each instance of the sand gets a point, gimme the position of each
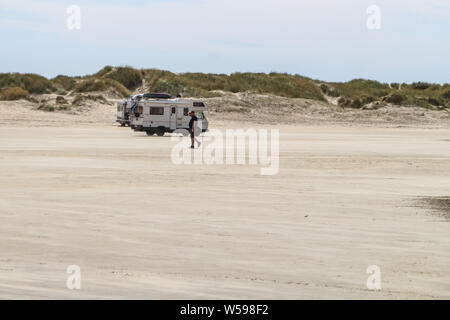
(88, 193)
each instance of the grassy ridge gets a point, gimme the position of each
(92, 85)
(32, 83)
(359, 92)
(200, 84)
(124, 80)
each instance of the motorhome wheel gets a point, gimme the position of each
(160, 132)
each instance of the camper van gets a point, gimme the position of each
(124, 109)
(123, 113)
(161, 115)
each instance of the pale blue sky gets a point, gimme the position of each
(321, 39)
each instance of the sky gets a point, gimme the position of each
(323, 39)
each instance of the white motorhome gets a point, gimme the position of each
(158, 116)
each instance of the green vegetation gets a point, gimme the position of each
(395, 98)
(359, 87)
(61, 100)
(446, 95)
(32, 83)
(123, 80)
(103, 72)
(128, 77)
(93, 85)
(425, 95)
(14, 93)
(395, 86)
(329, 90)
(204, 85)
(63, 82)
(90, 86)
(420, 85)
(117, 88)
(360, 92)
(60, 105)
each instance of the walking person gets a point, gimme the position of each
(192, 129)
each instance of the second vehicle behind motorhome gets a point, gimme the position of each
(123, 113)
(124, 109)
(161, 115)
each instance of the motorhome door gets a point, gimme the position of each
(173, 118)
(182, 114)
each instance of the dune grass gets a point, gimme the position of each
(14, 93)
(90, 86)
(426, 95)
(360, 87)
(199, 84)
(32, 83)
(93, 85)
(64, 82)
(127, 76)
(360, 91)
(124, 80)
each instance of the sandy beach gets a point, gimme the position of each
(111, 201)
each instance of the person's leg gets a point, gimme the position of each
(192, 139)
(198, 142)
(196, 133)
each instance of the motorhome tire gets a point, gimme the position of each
(150, 133)
(160, 132)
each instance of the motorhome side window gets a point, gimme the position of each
(174, 110)
(157, 111)
(186, 111)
